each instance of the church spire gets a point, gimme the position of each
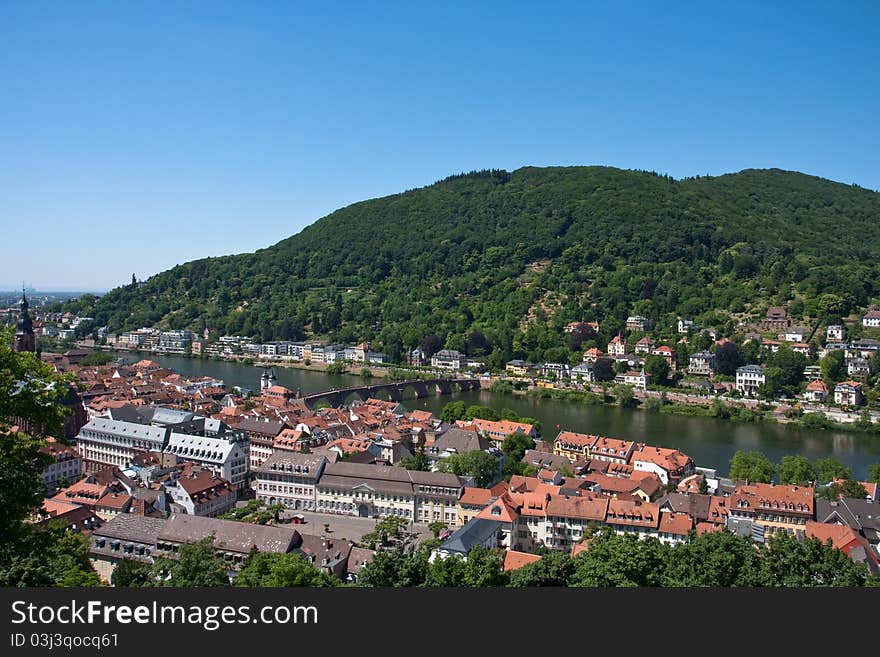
(24, 334)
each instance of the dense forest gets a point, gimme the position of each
(496, 263)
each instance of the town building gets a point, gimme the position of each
(638, 323)
(379, 491)
(686, 326)
(448, 359)
(617, 347)
(749, 378)
(198, 491)
(871, 319)
(517, 367)
(702, 363)
(848, 393)
(670, 465)
(773, 508)
(65, 466)
(289, 478)
(816, 392)
(835, 333)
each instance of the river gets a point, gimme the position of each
(710, 442)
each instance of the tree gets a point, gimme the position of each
(477, 344)
(791, 365)
(481, 412)
(727, 358)
(615, 560)
(849, 488)
(514, 447)
(787, 561)
(751, 466)
(833, 366)
(436, 527)
(830, 468)
(431, 344)
(388, 531)
(197, 564)
(264, 569)
(480, 465)
(874, 473)
(453, 411)
(131, 573)
(657, 368)
(419, 461)
(554, 568)
(366, 373)
(395, 568)
(720, 559)
(603, 369)
(624, 395)
(796, 470)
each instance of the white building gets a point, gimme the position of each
(749, 378)
(66, 464)
(289, 478)
(871, 318)
(835, 333)
(225, 455)
(448, 359)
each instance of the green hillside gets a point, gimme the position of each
(517, 255)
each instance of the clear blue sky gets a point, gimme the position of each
(135, 136)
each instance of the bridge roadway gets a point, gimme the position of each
(394, 390)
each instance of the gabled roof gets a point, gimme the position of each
(514, 560)
(477, 531)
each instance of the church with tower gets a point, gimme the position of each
(24, 339)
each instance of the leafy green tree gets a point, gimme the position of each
(197, 564)
(833, 366)
(481, 412)
(388, 531)
(849, 488)
(395, 568)
(515, 446)
(418, 461)
(720, 559)
(791, 365)
(624, 395)
(657, 368)
(789, 562)
(453, 411)
(751, 466)
(263, 569)
(131, 573)
(830, 468)
(796, 470)
(554, 568)
(436, 527)
(874, 473)
(615, 560)
(480, 465)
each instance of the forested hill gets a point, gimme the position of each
(517, 255)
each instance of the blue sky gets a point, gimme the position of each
(135, 136)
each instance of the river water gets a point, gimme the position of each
(710, 442)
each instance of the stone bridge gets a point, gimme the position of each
(394, 391)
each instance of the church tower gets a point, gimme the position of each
(24, 334)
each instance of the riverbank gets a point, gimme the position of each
(750, 411)
(681, 404)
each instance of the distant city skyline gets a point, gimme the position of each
(137, 137)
